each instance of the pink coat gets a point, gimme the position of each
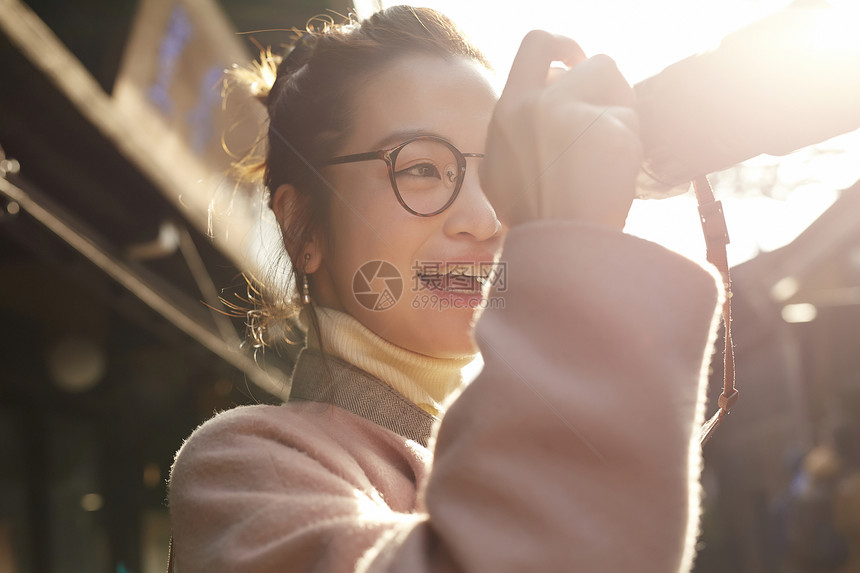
(574, 450)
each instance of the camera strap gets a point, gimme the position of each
(716, 238)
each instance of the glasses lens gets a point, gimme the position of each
(426, 174)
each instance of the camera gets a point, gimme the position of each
(780, 84)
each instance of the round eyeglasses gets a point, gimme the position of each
(426, 172)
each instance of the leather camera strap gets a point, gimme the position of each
(716, 238)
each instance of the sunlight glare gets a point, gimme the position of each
(644, 38)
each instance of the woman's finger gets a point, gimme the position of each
(537, 51)
(597, 81)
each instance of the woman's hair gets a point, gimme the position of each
(308, 95)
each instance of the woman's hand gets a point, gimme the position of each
(562, 144)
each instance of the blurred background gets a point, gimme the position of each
(121, 234)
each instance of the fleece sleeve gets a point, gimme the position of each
(574, 450)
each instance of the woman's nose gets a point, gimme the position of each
(471, 213)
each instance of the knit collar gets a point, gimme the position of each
(425, 380)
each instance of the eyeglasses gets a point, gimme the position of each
(426, 172)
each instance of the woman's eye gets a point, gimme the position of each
(422, 170)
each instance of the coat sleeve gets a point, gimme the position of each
(572, 451)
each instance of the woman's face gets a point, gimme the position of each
(431, 314)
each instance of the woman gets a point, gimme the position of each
(573, 450)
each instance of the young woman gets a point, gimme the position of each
(390, 160)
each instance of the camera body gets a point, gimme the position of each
(780, 84)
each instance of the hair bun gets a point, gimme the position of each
(256, 79)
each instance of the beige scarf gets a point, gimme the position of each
(425, 380)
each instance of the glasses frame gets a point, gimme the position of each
(389, 156)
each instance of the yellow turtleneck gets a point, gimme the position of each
(425, 380)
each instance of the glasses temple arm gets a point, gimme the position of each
(356, 157)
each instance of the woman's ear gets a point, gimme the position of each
(284, 204)
(283, 199)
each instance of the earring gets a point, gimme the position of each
(306, 293)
